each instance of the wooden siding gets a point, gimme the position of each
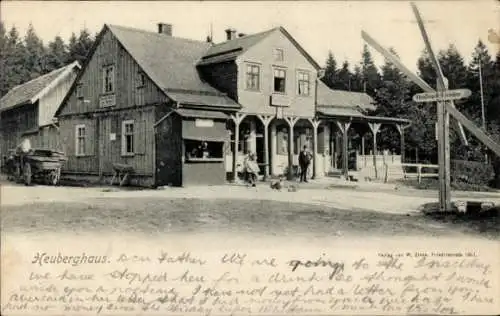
(46, 137)
(262, 54)
(107, 150)
(169, 151)
(223, 77)
(50, 102)
(14, 122)
(127, 94)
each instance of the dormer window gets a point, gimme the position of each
(279, 80)
(278, 54)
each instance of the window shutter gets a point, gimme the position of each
(140, 137)
(90, 138)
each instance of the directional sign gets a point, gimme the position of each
(444, 96)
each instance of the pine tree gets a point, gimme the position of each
(33, 55)
(79, 47)
(369, 72)
(330, 71)
(13, 73)
(344, 77)
(56, 54)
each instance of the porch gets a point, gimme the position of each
(337, 143)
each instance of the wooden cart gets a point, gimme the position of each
(42, 165)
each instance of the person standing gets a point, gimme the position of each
(304, 161)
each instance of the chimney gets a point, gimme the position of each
(164, 28)
(241, 35)
(230, 34)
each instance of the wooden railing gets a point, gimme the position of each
(418, 173)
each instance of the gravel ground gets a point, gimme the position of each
(159, 216)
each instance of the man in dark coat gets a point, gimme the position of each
(304, 161)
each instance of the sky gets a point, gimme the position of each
(319, 26)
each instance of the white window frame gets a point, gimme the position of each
(299, 80)
(112, 79)
(124, 137)
(247, 73)
(284, 79)
(79, 153)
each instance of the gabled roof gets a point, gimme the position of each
(340, 98)
(31, 91)
(170, 62)
(230, 50)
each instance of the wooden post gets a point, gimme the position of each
(374, 127)
(291, 123)
(237, 118)
(443, 152)
(344, 129)
(265, 121)
(315, 123)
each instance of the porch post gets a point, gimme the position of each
(291, 123)
(401, 130)
(374, 127)
(344, 128)
(265, 121)
(253, 137)
(363, 149)
(237, 118)
(315, 123)
(273, 149)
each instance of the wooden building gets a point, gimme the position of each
(140, 102)
(27, 110)
(177, 111)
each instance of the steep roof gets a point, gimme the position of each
(340, 98)
(231, 49)
(171, 63)
(29, 92)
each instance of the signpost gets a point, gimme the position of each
(445, 96)
(445, 107)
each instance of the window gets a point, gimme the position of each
(80, 139)
(278, 54)
(128, 137)
(279, 80)
(196, 149)
(253, 80)
(141, 80)
(108, 79)
(303, 83)
(79, 91)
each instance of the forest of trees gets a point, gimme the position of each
(393, 93)
(23, 58)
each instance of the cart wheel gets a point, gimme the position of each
(27, 174)
(53, 179)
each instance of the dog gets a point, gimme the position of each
(277, 184)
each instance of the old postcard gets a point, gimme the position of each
(250, 158)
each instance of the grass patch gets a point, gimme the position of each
(433, 184)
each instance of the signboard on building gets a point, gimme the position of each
(107, 100)
(203, 123)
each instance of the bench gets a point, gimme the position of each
(121, 172)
